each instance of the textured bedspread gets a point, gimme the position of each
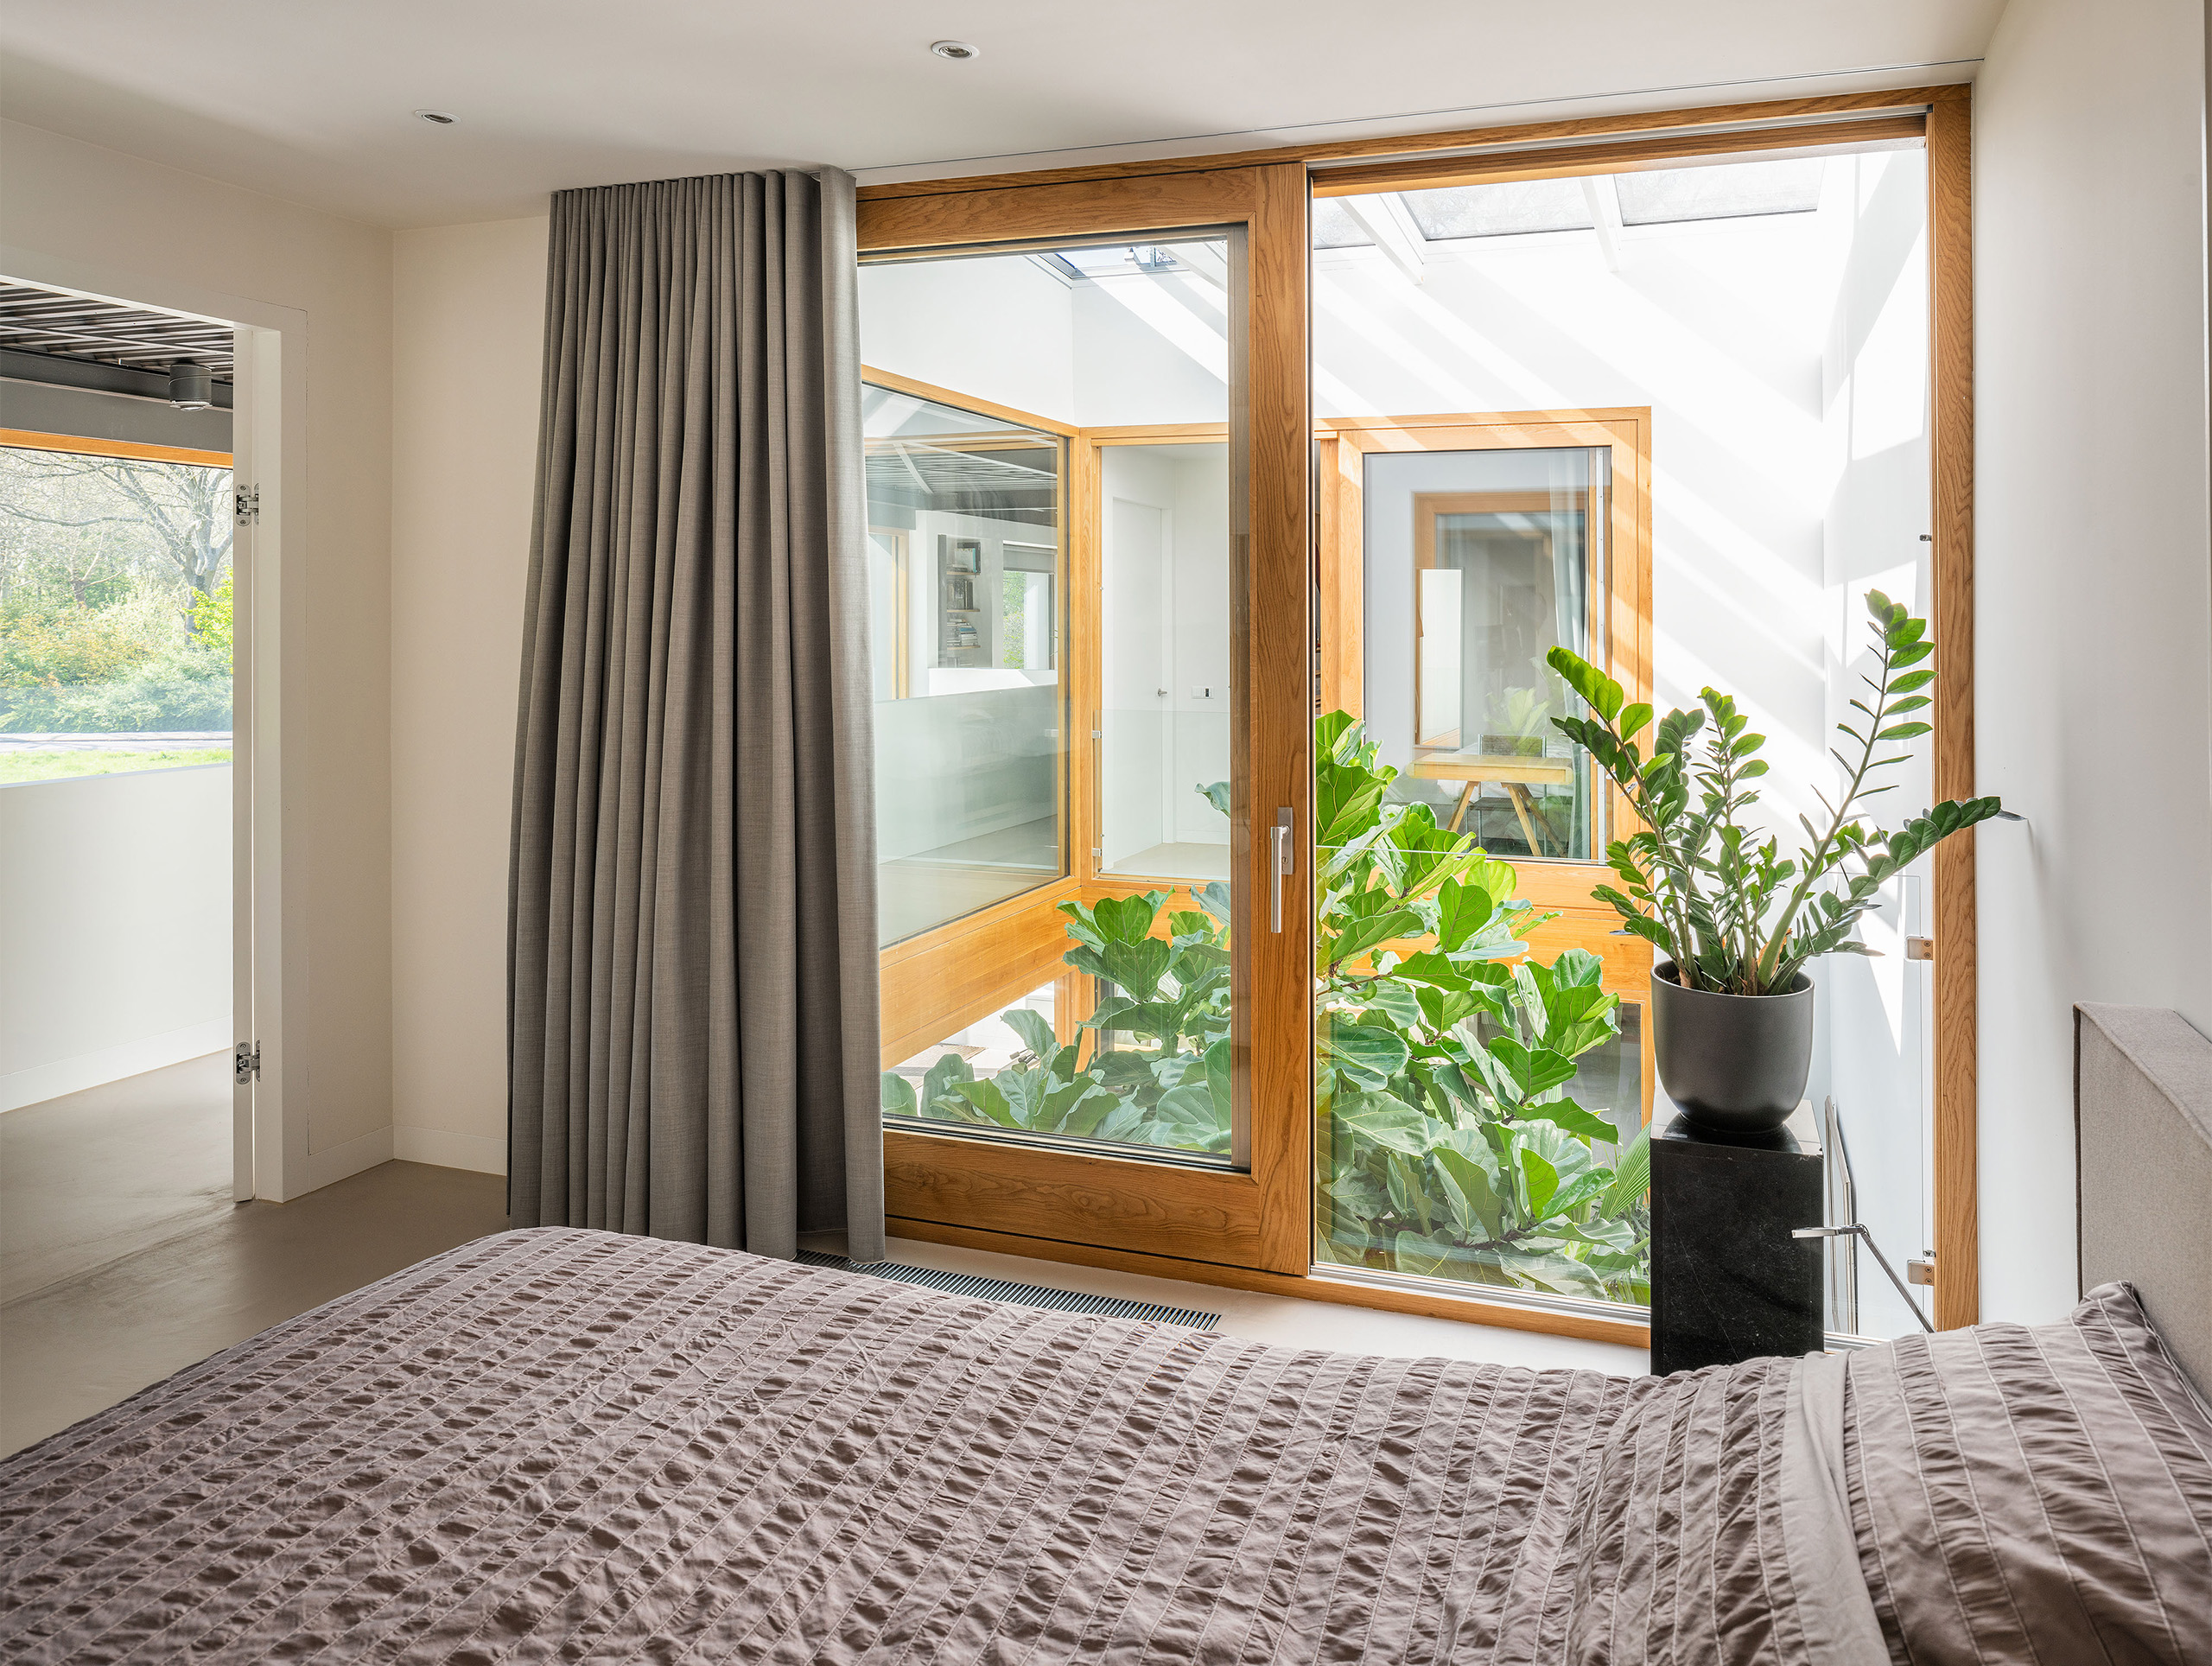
(573, 1444)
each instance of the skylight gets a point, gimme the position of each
(1123, 259)
(1501, 210)
(1734, 190)
(1730, 191)
(1334, 228)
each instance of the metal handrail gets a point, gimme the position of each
(1859, 1229)
(1842, 1201)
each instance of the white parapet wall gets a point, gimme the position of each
(114, 927)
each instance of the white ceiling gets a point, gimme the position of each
(309, 99)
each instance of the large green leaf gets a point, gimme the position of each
(989, 1099)
(938, 1079)
(1369, 1053)
(1464, 909)
(1034, 1029)
(1542, 1181)
(1137, 967)
(898, 1094)
(1631, 1177)
(1219, 1081)
(1442, 1009)
(1186, 1115)
(1399, 1003)
(1382, 1119)
(1128, 919)
(1471, 1192)
(1356, 933)
(1532, 1070)
(1565, 1113)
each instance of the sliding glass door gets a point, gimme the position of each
(1087, 496)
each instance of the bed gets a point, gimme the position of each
(559, 1444)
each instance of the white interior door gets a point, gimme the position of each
(1136, 755)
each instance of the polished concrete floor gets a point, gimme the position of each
(98, 1174)
(124, 1259)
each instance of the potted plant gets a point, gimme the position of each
(1732, 1006)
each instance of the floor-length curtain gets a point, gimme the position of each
(692, 1016)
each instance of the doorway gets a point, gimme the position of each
(120, 622)
(1091, 1036)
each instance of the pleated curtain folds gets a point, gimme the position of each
(693, 1020)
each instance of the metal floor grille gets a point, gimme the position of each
(1027, 1295)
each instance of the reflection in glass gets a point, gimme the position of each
(1479, 562)
(964, 522)
(1164, 641)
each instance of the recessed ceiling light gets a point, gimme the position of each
(437, 118)
(956, 50)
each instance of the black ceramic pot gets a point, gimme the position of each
(1736, 1064)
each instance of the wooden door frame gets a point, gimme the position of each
(1258, 1218)
(1940, 114)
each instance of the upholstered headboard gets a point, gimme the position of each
(2143, 1145)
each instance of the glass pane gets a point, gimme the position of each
(1476, 1120)
(1501, 210)
(993, 665)
(1725, 191)
(1770, 316)
(965, 521)
(115, 614)
(1019, 1074)
(1477, 564)
(1163, 748)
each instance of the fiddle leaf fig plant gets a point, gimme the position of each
(1736, 915)
(1445, 1059)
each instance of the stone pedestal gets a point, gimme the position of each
(1728, 1283)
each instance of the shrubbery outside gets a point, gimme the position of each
(114, 612)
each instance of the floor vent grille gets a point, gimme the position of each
(1027, 1295)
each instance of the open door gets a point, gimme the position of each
(1088, 479)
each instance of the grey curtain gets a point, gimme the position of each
(692, 1017)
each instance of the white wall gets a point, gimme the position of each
(999, 328)
(114, 927)
(152, 227)
(2093, 619)
(467, 332)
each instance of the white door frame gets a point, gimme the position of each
(269, 449)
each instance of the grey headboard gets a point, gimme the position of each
(2143, 1146)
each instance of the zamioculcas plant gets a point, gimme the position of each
(1735, 915)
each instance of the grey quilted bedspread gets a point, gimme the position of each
(570, 1444)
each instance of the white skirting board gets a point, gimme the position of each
(442, 1148)
(40, 1082)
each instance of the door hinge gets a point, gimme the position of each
(1920, 948)
(245, 1063)
(1920, 1270)
(249, 505)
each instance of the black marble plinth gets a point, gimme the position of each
(1728, 1283)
